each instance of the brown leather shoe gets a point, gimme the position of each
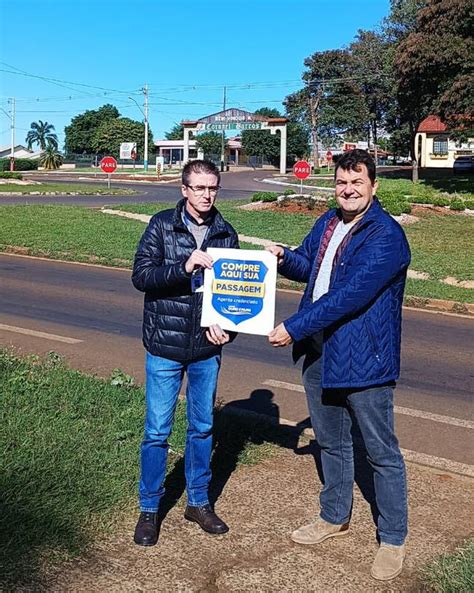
(146, 530)
(206, 518)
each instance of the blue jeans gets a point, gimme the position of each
(163, 383)
(332, 413)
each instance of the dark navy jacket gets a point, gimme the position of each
(172, 312)
(361, 314)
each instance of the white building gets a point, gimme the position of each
(435, 148)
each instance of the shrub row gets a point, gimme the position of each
(20, 165)
(10, 175)
(265, 196)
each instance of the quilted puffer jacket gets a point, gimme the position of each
(172, 312)
(360, 316)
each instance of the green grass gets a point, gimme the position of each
(84, 189)
(424, 191)
(451, 573)
(70, 233)
(441, 245)
(69, 463)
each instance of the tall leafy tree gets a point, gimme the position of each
(434, 63)
(331, 104)
(210, 143)
(262, 143)
(111, 133)
(82, 129)
(42, 134)
(176, 133)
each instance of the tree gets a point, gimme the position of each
(262, 143)
(110, 134)
(210, 143)
(51, 158)
(402, 19)
(82, 129)
(434, 64)
(331, 104)
(176, 132)
(372, 59)
(42, 134)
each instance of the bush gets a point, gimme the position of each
(441, 201)
(395, 204)
(265, 196)
(289, 192)
(20, 165)
(331, 203)
(10, 175)
(316, 170)
(469, 204)
(457, 204)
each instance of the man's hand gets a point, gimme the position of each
(276, 250)
(279, 336)
(198, 259)
(217, 336)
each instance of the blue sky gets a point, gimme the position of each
(185, 50)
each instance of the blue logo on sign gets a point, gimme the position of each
(238, 288)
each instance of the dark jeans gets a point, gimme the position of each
(332, 413)
(163, 383)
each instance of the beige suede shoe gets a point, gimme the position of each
(388, 562)
(317, 532)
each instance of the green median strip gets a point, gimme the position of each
(441, 244)
(451, 573)
(82, 189)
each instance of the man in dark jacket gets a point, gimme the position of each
(348, 326)
(168, 268)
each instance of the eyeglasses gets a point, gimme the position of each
(200, 190)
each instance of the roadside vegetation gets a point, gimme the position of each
(73, 189)
(68, 470)
(439, 243)
(451, 573)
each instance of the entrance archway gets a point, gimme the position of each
(238, 120)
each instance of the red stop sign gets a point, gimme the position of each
(108, 164)
(329, 155)
(301, 169)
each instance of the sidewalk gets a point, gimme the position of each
(262, 505)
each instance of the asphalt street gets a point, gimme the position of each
(233, 186)
(92, 315)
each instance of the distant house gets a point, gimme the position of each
(20, 152)
(435, 148)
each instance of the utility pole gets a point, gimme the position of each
(12, 151)
(314, 102)
(145, 106)
(223, 135)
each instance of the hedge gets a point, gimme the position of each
(20, 165)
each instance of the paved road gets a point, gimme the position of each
(234, 185)
(99, 308)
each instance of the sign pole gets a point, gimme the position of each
(301, 187)
(108, 180)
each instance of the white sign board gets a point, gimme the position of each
(239, 291)
(160, 164)
(127, 149)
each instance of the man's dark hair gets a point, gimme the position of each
(199, 166)
(353, 159)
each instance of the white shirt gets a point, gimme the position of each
(324, 273)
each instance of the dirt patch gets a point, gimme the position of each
(262, 505)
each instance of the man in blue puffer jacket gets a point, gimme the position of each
(348, 326)
(168, 268)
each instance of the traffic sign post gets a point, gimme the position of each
(301, 170)
(108, 165)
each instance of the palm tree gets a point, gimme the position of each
(42, 133)
(51, 158)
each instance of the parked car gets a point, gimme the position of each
(464, 164)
